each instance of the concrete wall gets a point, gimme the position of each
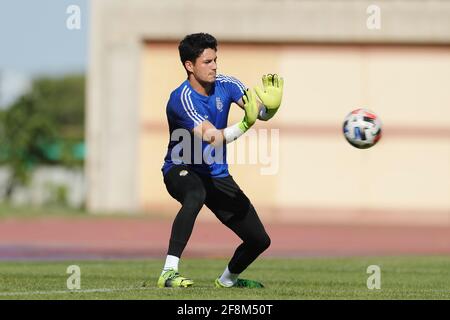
(403, 179)
(49, 186)
(331, 61)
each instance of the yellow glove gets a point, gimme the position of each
(251, 110)
(272, 92)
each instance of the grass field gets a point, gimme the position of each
(309, 278)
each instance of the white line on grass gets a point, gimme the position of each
(106, 290)
(22, 293)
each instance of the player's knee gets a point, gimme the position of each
(195, 198)
(261, 243)
(265, 242)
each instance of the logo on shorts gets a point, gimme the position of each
(219, 104)
(183, 173)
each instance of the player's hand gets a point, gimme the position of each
(272, 92)
(251, 110)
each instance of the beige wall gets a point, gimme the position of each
(408, 171)
(404, 179)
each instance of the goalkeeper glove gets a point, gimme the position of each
(251, 110)
(271, 94)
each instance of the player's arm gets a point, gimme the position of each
(209, 133)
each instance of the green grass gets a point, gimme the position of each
(29, 211)
(312, 278)
(26, 212)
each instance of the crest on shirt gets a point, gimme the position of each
(219, 104)
(183, 173)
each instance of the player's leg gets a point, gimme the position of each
(234, 209)
(187, 188)
(255, 241)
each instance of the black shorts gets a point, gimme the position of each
(221, 195)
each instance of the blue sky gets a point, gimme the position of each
(34, 40)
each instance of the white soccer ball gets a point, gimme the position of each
(362, 128)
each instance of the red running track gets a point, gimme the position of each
(109, 237)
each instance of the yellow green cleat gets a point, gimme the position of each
(172, 279)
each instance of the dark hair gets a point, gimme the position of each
(193, 45)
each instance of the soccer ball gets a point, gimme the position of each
(362, 128)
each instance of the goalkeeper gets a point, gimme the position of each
(200, 106)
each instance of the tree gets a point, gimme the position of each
(44, 126)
